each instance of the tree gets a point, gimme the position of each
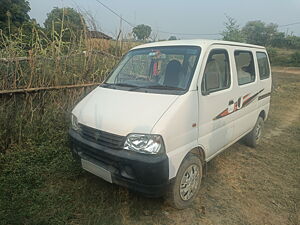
(172, 38)
(295, 59)
(142, 32)
(232, 31)
(278, 40)
(257, 32)
(13, 14)
(292, 41)
(66, 23)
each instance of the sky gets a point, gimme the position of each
(177, 17)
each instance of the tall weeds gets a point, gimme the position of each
(50, 61)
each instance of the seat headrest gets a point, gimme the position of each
(172, 73)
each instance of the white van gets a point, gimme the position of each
(167, 109)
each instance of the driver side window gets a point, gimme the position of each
(216, 75)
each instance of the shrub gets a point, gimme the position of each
(295, 59)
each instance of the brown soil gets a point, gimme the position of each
(246, 185)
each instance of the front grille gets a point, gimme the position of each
(101, 137)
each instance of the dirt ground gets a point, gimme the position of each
(251, 186)
(245, 186)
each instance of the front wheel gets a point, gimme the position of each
(184, 189)
(253, 138)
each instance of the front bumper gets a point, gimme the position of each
(148, 174)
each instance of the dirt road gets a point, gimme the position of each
(41, 183)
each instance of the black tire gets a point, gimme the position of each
(174, 197)
(253, 138)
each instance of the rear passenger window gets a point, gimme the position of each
(263, 65)
(217, 72)
(244, 66)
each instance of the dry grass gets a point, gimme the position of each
(290, 70)
(110, 45)
(49, 63)
(41, 184)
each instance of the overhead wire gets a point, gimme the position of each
(174, 33)
(291, 24)
(159, 31)
(112, 11)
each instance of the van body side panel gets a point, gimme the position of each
(266, 84)
(231, 122)
(246, 96)
(216, 124)
(178, 127)
(215, 133)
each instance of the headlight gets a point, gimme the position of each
(74, 123)
(144, 143)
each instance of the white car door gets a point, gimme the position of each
(216, 101)
(248, 90)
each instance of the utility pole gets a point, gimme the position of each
(119, 37)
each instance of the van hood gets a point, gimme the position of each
(122, 112)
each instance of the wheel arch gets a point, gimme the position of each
(262, 114)
(176, 160)
(198, 151)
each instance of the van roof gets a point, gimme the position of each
(197, 42)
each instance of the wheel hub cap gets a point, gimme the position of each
(258, 132)
(189, 182)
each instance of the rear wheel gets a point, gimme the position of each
(186, 185)
(253, 138)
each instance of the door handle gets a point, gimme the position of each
(231, 102)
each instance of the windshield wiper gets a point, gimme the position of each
(160, 87)
(125, 85)
(107, 85)
(134, 87)
(119, 84)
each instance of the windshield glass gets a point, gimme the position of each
(157, 69)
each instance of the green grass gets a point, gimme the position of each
(41, 183)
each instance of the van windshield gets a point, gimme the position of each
(157, 69)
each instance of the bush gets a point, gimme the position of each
(295, 59)
(277, 58)
(281, 57)
(272, 52)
